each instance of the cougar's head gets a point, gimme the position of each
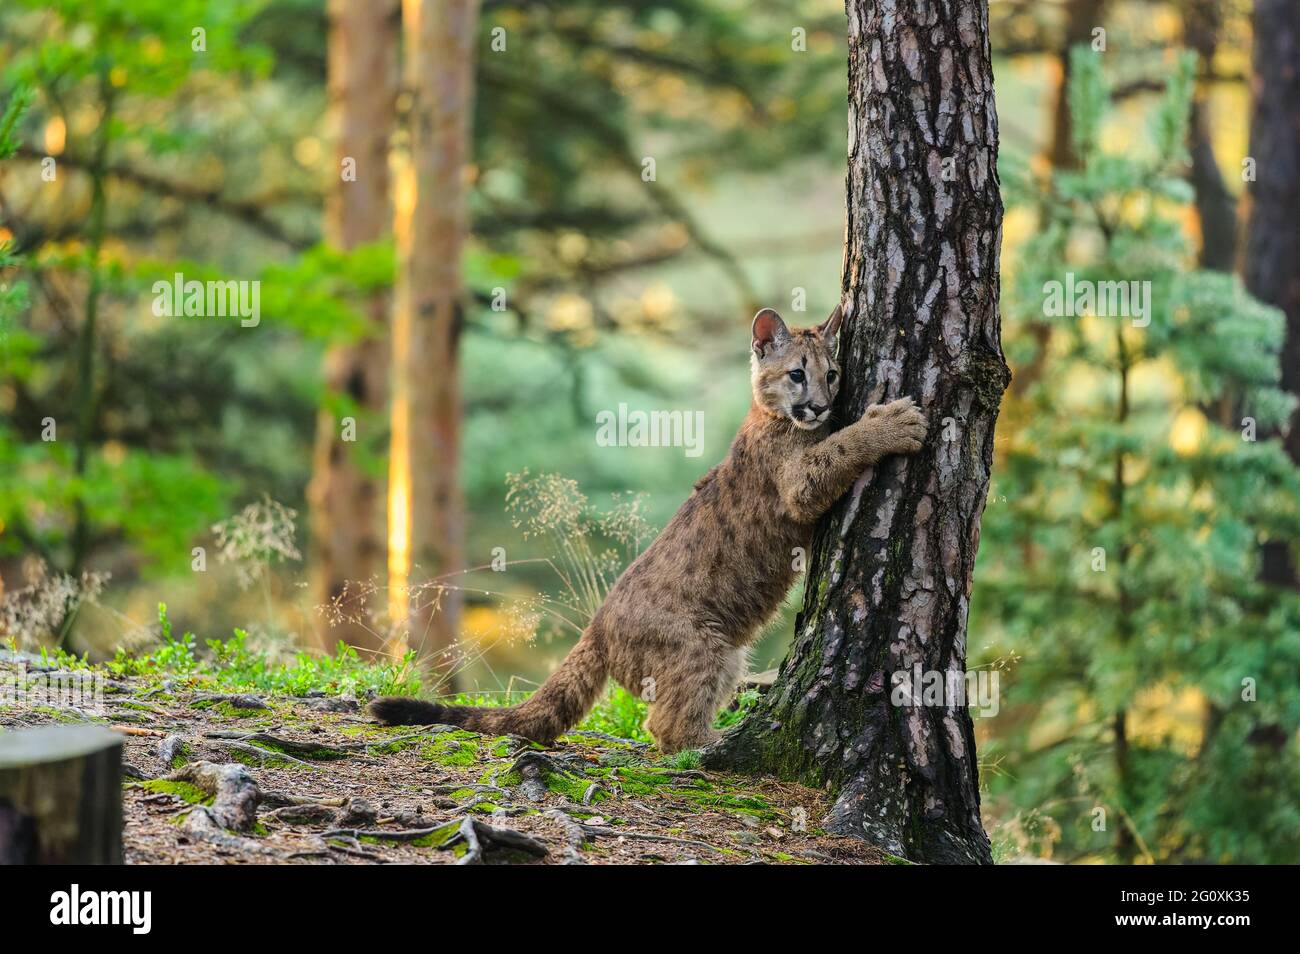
(795, 372)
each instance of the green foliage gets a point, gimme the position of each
(1120, 555)
(234, 665)
(619, 714)
(13, 295)
(20, 100)
(190, 417)
(745, 700)
(684, 760)
(238, 667)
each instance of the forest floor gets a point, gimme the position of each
(273, 778)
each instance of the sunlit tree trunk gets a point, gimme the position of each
(889, 585)
(425, 519)
(1271, 257)
(346, 502)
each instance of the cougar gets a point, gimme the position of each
(675, 626)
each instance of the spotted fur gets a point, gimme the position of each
(675, 627)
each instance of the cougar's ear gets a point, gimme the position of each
(830, 328)
(769, 333)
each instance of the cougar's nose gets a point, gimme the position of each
(817, 409)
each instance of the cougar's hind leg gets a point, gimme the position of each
(686, 697)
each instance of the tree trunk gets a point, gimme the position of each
(889, 585)
(1271, 262)
(346, 514)
(61, 796)
(1215, 205)
(1081, 18)
(425, 521)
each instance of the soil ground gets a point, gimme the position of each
(329, 786)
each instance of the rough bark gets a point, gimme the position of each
(346, 503)
(425, 511)
(61, 796)
(889, 585)
(1271, 257)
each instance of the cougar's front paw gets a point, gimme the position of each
(900, 425)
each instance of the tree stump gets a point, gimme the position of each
(61, 796)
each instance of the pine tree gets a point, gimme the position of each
(13, 295)
(1154, 684)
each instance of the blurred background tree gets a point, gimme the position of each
(639, 175)
(1120, 556)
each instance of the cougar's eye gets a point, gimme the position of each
(797, 376)
(830, 377)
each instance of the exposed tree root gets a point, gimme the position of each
(383, 834)
(236, 796)
(606, 831)
(574, 836)
(535, 769)
(169, 748)
(482, 838)
(201, 823)
(263, 755)
(235, 701)
(282, 746)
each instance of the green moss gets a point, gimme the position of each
(503, 747)
(437, 838)
(182, 790)
(390, 748)
(321, 754)
(713, 793)
(452, 748)
(574, 787)
(137, 706)
(60, 715)
(181, 758)
(269, 760)
(440, 835)
(234, 712)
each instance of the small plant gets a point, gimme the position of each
(684, 760)
(591, 547)
(257, 536)
(745, 700)
(43, 610)
(619, 714)
(235, 665)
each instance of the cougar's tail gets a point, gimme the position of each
(558, 705)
